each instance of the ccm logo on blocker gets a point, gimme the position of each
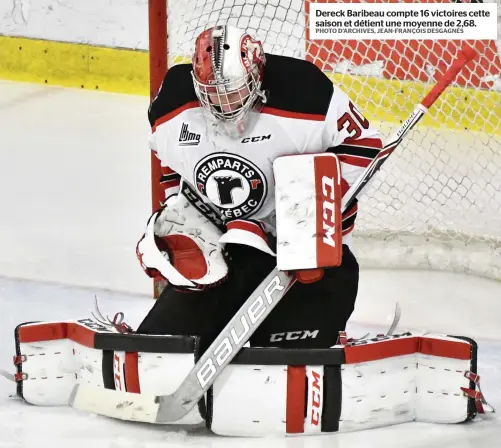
(329, 210)
(254, 311)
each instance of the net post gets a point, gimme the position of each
(157, 33)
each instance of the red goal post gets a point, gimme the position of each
(437, 202)
(157, 30)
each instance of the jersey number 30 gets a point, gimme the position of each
(353, 122)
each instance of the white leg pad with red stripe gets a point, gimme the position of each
(50, 369)
(308, 211)
(381, 383)
(356, 386)
(52, 357)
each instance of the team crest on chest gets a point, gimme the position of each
(234, 184)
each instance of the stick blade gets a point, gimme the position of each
(171, 409)
(107, 402)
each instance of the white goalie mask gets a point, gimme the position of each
(227, 74)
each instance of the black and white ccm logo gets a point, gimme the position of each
(187, 138)
(93, 325)
(294, 335)
(258, 138)
(234, 184)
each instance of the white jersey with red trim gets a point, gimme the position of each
(304, 113)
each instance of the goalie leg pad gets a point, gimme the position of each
(377, 383)
(365, 384)
(52, 357)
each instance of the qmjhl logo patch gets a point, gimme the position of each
(187, 138)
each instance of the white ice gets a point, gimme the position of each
(74, 196)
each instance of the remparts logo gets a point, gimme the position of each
(235, 185)
(187, 138)
(294, 335)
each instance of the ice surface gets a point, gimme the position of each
(74, 196)
(74, 185)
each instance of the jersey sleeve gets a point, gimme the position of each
(174, 96)
(170, 180)
(350, 136)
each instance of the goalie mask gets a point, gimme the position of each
(227, 74)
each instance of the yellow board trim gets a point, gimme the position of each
(74, 65)
(458, 108)
(126, 71)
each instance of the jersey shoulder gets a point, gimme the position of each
(176, 91)
(296, 85)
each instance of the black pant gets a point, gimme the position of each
(310, 315)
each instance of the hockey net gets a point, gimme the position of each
(436, 203)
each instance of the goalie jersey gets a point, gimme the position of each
(304, 113)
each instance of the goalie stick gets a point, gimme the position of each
(466, 55)
(170, 408)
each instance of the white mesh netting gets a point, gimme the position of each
(436, 203)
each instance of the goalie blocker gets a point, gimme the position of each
(359, 385)
(308, 211)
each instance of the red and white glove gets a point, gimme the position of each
(181, 246)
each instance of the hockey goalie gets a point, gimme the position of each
(259, 154)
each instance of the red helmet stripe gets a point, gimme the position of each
(202, 59)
